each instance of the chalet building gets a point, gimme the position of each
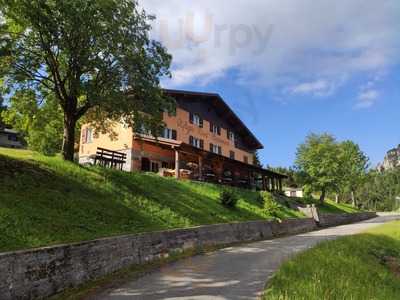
(203, 140)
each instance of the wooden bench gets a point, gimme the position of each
(110, 159)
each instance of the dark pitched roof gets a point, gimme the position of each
(221, 106)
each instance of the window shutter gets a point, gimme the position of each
(219, 150)
(174, 135)
(201, 123)
(219, 130)
(227, 134)
(201, 144)
(191, 140)
(211, 147)
(191, 118)
(211, 127)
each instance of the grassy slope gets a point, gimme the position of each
(348, 268)
(45, 201)
(333, 207)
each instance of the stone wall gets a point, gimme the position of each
(327, 220)
(44, 272)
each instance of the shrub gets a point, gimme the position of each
(270, 205)
(228, 198)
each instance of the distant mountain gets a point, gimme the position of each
(391, 160)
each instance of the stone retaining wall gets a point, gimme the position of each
(47, 271)
(327, 220)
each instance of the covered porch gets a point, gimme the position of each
(197, 164)
(188, 162)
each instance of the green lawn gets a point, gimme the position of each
(365, 266)
(332, 207)
(44, 201)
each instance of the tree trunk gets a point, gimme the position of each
(322, 197)
(69, 137)
(353, 199)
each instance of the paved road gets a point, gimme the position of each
(232, 273)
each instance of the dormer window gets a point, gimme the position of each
(196, 120)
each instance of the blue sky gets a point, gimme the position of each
(289, 68)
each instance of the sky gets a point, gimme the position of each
(291, 67)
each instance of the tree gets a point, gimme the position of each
(353, 167)
(90, 55)
(41, 125)
(318, 158)
(2, 109)
(256, 159)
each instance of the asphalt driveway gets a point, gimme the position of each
(232, 273)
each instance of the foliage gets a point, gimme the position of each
(353, 167)
(318, 158)
(296, 178)
(45, 200)
(270, 205)
(380, 191)
(94, 57)
(327, 166)
(2, 109)
(256, 159)
(40, 124)
(348, 268)
(228, 198)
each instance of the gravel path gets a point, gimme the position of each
(232, 273)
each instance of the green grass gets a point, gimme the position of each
(332, 207)
(45, 201)
(353, 267)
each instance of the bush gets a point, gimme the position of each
(270, 205)
(228, 198)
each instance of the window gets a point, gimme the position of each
(231, 135)
(164, 165)
(87, 135)
(196, 120)
(246, 159)
(232, 155)
(169, 134)
(215, 149)
(215, 129)
(195, 142)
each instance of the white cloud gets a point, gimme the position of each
(317, 88)
(278, 43)
(367, 98)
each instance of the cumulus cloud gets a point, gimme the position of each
(316, 88)
(367, 98)
(281, 44)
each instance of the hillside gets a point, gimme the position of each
(44, 200)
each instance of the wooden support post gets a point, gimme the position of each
(280, 185)
(272, 184)
(200, 168)
(264, 183)
(177, 164)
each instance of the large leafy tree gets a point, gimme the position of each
(91, 55)
(318, 158)
(353, 167)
